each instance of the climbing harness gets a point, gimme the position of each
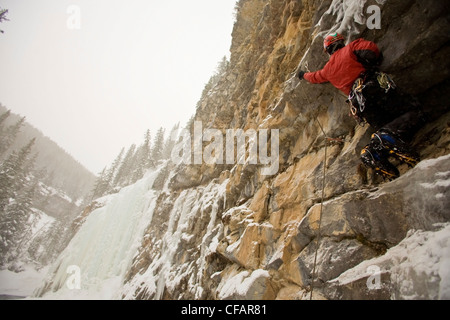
(356, 98)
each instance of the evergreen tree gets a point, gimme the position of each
(112, 172)
(13, 221)
(3, 117)
(3, 13)
(8, 135)
(221, 69)
(123, 175)
(158, 145)
(136, 171)
(3, 139)
(147, 161)
(101, 185)
(142, 160)
(12, 175)
(170, 141)
(16, 195)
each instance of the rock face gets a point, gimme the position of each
(229, 232)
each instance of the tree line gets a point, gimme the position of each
(131, 165)
(17, 188)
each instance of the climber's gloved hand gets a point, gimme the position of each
(301, 74)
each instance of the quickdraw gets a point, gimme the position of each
(356, 93)
(385, 81)
(358, 88)
(359, 85)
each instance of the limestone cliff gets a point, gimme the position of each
(263, 231)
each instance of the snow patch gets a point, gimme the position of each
(20, 284)
(419, 266)
(164, 271)
(430, 163)
(240, 285)
(349, 14)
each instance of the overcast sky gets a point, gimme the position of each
(94, 75)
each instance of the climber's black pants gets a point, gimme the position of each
(392, 110)
(406, 125)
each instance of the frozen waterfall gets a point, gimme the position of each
(96, 260)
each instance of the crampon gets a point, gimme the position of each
(396, 148)
(372, 159)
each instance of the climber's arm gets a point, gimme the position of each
(320, 76)
(316, 77)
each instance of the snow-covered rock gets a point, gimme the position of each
(417, 268)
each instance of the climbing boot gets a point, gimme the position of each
(379, 163)
(395, 147)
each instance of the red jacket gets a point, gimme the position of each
(344, 66)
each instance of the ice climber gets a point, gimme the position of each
(373, 99)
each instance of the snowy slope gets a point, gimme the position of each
(27, 275)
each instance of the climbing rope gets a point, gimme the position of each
(321, 211)
(313, 276)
